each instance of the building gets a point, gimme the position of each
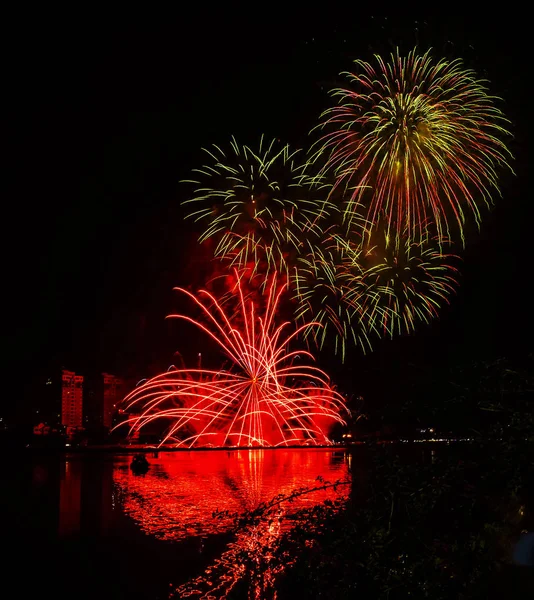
(113, 394)
(42, 429)
(71, 400)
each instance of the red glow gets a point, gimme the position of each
(70, 489)
(178, 495)
(263, 399)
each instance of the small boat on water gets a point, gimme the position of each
(139, 464)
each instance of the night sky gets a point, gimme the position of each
(107, 115)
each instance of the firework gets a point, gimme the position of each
(361, 287)
(269, 396)
(406, 283)
(257, 205)
(330, 287)
(417, 140)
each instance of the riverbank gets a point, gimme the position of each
(144, 448)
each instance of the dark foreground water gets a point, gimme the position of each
(86, 526)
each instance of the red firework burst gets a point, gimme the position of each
(268, 397)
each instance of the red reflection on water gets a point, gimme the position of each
(178, 495)
(70, 490)
(250, 558)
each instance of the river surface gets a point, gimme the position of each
(84, 525)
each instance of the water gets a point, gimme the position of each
(84, 525)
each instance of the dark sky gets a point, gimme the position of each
(108, 113)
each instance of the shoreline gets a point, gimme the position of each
(142, 448)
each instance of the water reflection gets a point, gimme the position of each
(256, 557)
(177, 497)
(81, 519)
(85, 494)
(70, 497)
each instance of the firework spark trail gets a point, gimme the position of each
(264, 400)
(417, 141)
(257, 204)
